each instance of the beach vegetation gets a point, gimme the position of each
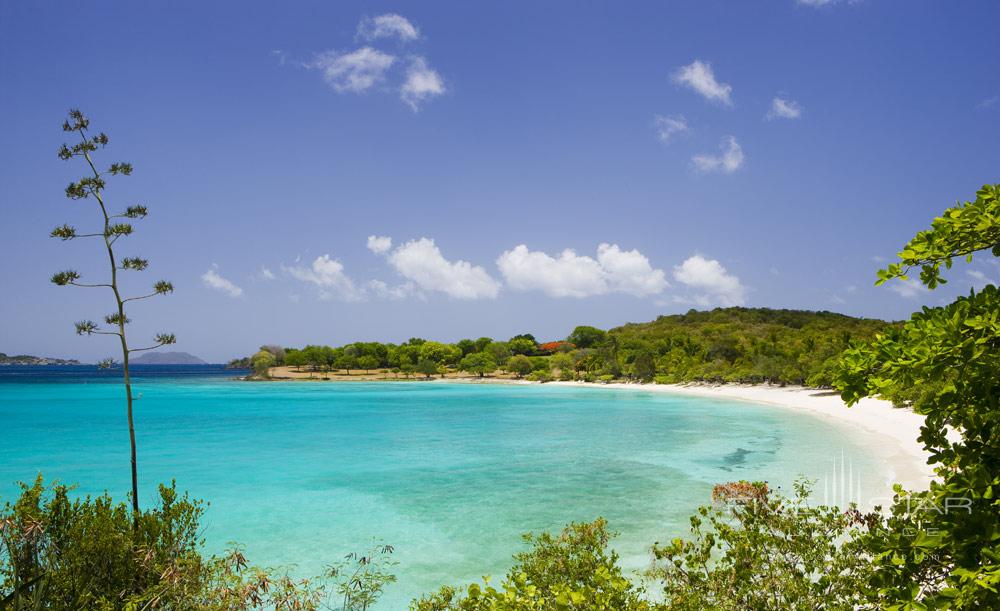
(479, 363)
(63, 553)
(519, 365)
(572, 570)
(940, 547)
(754, 549)
(262, 361)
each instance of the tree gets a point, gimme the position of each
(427, 367)
(262, 363)
(643, 366)
(562, 362)
(522, 345)
(296, 359)
(940, 548)
(368, 363)
(499, 351)
(111, 230)
(346, 362)
(586, 337)
(440, 353)
(520, 365)
(479, 363)
(277, 351)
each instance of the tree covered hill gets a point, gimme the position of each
(746, 344)
(751, 345)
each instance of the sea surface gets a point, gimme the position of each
(450, 474)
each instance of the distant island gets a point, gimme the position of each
(26, 359)
(167, 358)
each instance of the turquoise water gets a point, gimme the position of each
(450, 474)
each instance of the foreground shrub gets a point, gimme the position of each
(941, 547)
(753, 549)
(574, 570)
(93, 553)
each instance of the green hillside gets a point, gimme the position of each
(741, 345)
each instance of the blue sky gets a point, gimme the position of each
(689, 154)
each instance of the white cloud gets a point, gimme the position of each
(629, 271)
(421, 262)
(573, 275)
(379, 244)
(328, 274)
(388, 26)
(213, 280)
(569, 275)
(670, 126)
(698, 75)
(353, 72)
(422, 83)
(730, 160)
(266, 274)
(784, 109)
(713, 284)
(908, 288)
(400, 291)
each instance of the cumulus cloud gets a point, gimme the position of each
(421, 262)
(265, 274)
(573, 275)
(669, 127)
(389, 25)
(713, 285)
(379, 244)
(698, 76)
(422, 83)
(328, 274)
(784, 109)
(353, 72)
(907, 288)
(213, 280)
(728, 161)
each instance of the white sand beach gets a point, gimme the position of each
(891, 432)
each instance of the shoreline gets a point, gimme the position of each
(891, 432)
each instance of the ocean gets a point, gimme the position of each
(449, 474)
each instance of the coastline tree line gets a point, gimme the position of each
(746, 345)
(751, 549)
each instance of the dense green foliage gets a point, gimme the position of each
(723, 345)
(941, 547)
(756, 550)
(93, 553)
(572, 571)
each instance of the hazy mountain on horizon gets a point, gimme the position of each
(167, 358)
